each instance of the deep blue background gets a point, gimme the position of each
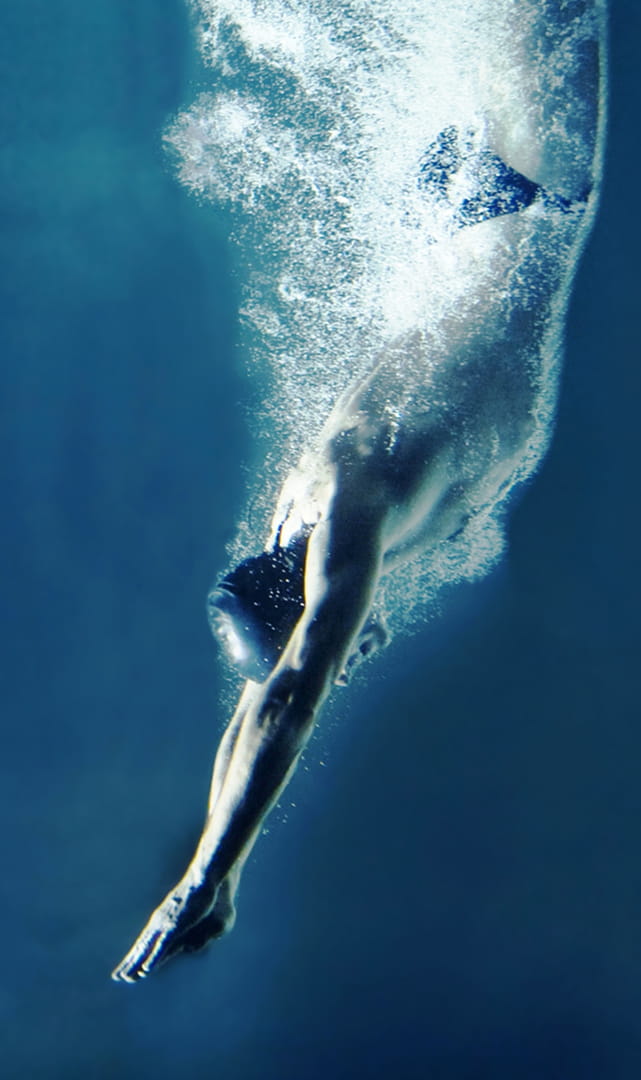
(457, 894)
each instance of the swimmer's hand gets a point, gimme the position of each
(185, 921)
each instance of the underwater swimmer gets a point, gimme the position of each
(396, 472)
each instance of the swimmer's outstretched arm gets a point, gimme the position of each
(271, 726)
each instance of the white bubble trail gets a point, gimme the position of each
(312, 134)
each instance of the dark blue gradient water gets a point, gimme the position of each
(456, 893)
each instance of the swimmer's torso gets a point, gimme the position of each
(445, 421)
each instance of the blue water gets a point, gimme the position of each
(456, 892)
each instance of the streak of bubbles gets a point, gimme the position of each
(312, 134)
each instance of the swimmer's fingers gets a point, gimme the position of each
(133, 966)
(162, 936)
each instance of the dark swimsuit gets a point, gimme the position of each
(500, 189)
(254, 609)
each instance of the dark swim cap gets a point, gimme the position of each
(254, 609)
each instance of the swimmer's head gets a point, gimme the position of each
(253, 610)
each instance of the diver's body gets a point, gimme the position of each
(393, 474)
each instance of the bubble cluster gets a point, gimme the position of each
(312, 133)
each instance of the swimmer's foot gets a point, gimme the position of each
(185, 921)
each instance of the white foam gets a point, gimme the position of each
(312, 133)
